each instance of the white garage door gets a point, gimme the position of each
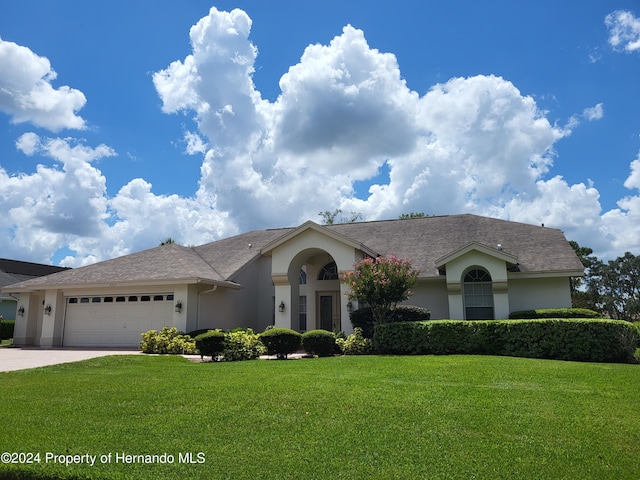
(115, 321)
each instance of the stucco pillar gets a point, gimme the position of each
(456, 305)
(500, 300)
(345, 318)
(54, 306)
(24, 332)
(282, 296)
(181, 296)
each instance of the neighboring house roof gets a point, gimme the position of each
(424, 241)
(13, 271)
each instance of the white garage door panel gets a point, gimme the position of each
(114, 324)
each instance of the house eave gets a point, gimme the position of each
(546, 274)
(121, 283)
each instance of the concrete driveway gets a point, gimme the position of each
(20, 358)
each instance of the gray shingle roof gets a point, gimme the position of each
(423, 240)
(164, 263)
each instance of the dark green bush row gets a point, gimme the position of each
(210, 343)
(555, 313)
(595, 340)
(281, 341)
(6, 329)
(363, 318)
(319, 342)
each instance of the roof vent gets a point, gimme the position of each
(499, 246)
(250, 245)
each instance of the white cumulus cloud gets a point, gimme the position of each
(624, 31)
(473, 144)
(476, 144)
(26, 93)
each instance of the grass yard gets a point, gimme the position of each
(445, 417)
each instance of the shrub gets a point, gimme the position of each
(210, 343)
(242, 345)
(555, 313)
(6, 329)
(168, 340)
(319, 342)
(356, 343)
(195, 333)
(595, 340)
(281, 341)
(363, 317)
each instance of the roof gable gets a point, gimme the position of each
(323, 230)
(478, 247)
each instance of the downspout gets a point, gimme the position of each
(215, 287)
(64, 319)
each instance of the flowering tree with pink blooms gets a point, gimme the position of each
(381, 283)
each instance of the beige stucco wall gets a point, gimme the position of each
(532, 293)
(251, 306)
(431, 294)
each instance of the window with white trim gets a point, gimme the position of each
(478, 295)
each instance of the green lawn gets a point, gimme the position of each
(458, 417)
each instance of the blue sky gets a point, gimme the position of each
(124, 123)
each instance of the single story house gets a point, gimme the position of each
(471, 267)
(14, 271)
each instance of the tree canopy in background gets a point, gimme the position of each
(611, 288)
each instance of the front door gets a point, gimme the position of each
(329, 311)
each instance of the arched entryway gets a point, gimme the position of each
(318, 256)
(477, 292)
(315, 291)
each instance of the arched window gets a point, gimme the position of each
(328, 272)
(303, 276)
(478, 295)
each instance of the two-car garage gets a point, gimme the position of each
(115, 320)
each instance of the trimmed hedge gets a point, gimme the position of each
(211, 343)
(281, 341)
(555, 313)
(319, 342)
(195, 333)
(363, 317)
(593, 340)
(6, 329)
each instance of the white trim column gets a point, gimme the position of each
(282, 295)
(52, 319)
